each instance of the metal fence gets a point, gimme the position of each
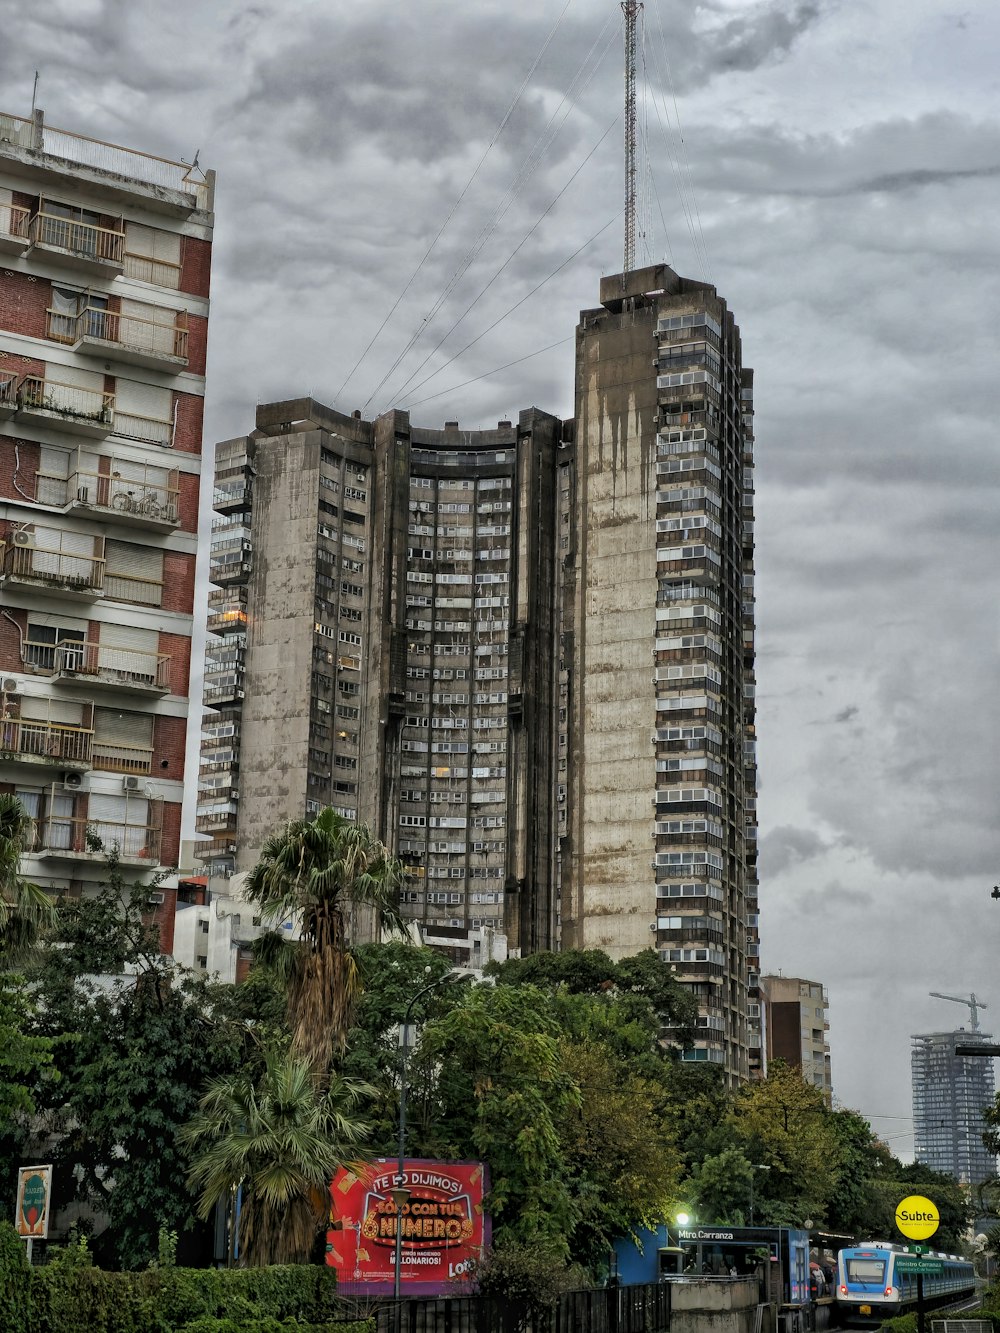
(634, 1309)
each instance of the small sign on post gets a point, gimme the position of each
(917, 1217)
(31, 1212)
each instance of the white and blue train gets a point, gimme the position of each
(870, 1288)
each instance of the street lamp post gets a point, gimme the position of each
(400, 1193)
(755, 1166)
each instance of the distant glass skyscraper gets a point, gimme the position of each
(950, 1092)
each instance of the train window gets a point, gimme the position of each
(866, 1270)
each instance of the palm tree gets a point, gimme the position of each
(317, 868)
(25, 909)
(280, 1141)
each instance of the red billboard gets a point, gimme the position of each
(443, 1228)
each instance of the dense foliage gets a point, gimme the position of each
(133, 1077)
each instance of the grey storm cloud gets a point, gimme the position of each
(765, 34)
(787, 846)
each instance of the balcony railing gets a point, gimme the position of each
(152, 341)
(160, 272)
(85, 241)
(215, 695)
(50, 742)
(147, 430)
(227, 622)
(8, 392)
(97, 663)
(152, 498)
(13, 228)
(47, 566)
(133, 588)
(233, 496)
(224, 822)
(89, 410)
(71, 838)
(112, 758)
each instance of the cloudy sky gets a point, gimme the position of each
(455, 171)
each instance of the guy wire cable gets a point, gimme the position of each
(532, 160)
(517, 305)
(524, 240)
(454, 208)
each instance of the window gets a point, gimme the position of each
(133, 573)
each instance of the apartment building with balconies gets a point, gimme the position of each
(796, 1021)
(104, 274)
(381, 616)
(657, 644)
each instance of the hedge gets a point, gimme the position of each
(69, 1295)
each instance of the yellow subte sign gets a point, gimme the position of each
(917, 1217)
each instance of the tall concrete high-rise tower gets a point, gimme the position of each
(658, 644)
(385, 606)
(524, 656)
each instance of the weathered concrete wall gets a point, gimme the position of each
(714, 1307)
(275, 722)
(608, 898)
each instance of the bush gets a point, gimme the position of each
(69, 1296)
(15, 1278)
(209, 1325)
(903, 1323)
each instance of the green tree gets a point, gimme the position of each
(25, 909)
(391, 975)
(540, 1085)
(861, 1163)
(622, 1169)
(720, 1188)
(696, 1107)
(644, 977)
(782, 1122)
(494, 1087)
(279, 1140)
(319, 869)
(991, 1119)
(133, 1044)
(23, 1057)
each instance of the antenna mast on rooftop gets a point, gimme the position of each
(630, 8)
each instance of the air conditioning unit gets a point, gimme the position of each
(156, 897)
(23, 538)
(130, 782)
(72, 781)
(10, 685)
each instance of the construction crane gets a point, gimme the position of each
(973, 1004)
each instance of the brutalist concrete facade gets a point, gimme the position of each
(385, 648)
(660, 845)
(524, 656)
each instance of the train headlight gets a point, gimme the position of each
(888, 1291)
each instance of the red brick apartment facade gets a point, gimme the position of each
(105, 255)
